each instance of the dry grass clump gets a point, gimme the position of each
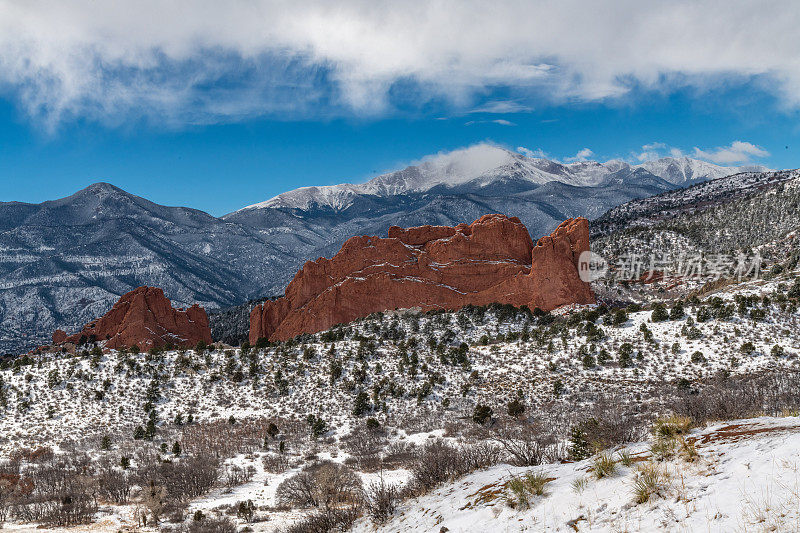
(604, 465)
(651, 479)
(520, 490)
(671, 427)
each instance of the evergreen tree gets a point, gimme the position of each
(579, 447)
(482, 414)
(659, 313)
(515, 407)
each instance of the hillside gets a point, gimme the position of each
(408, 378)
(699, 236)
(732, 475)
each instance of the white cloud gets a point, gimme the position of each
(533, 154)
(501, 107)
(203, 60)
(500, 121)
(464, 164)
(652, 151)
(737, 152)
(582, 155)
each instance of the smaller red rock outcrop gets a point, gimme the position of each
(431, 267)
(59, 336)
(146, 318)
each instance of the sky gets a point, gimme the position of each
(218, 105)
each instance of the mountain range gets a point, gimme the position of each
(64, 262)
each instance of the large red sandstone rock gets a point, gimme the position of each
(431, 267)
(146, 318)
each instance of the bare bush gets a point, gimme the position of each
(437, 462)
(114, 484)
(275, 463)
(724, 397)
(56, 490)
(210, 525)
(380, 501)
(236, 475)
(325, 521)
(222, 439)
(326, 485)
(525, 443)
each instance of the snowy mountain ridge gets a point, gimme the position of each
(483, 165)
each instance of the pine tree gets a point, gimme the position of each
(361, 405)
(515, 407)
(579, 447)
(482, 414)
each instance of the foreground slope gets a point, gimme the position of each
(744, 477)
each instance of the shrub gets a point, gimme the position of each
(663, 448)
(604, 465)
(317, 426)
(659, 313)
(671, 426)
(209, 525)
(625, 458)
(579, 446)
(579, 484)
(620, 318)
(361, 404)
(482, 414)
(380, 500)
(527, 444)
(437, 462)
(327, 485)
(698, 357)
(325, 521)
(650, 480)
(516, 408)
(518, 490)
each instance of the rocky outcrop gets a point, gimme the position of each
(431, 267)
(144, 317)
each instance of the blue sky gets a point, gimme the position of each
(220, 110)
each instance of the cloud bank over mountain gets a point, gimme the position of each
(189, 62)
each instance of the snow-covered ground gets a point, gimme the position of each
(420, 378)
(746, 477)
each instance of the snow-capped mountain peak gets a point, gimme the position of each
(484, 165)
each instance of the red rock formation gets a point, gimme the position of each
(431, 267)
(146, 318)
(59, 336)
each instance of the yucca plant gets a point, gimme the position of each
(604, 465)
(650, 480)
(671, 426)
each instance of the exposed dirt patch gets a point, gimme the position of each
(737, 432)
